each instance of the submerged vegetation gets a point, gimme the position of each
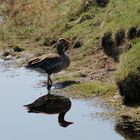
(106, 33)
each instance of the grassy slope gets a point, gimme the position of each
(130, 62)
(53, 19)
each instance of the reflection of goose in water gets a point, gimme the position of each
(128, 128)
(53, 63)
(52, 104)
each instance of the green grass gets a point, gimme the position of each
(86, 89)
(91, 89)
(63, 78)
(130, 62)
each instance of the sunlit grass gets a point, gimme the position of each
(130, 62)
(91, 89)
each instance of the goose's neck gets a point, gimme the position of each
(62, 54)
(60, 51)
(61, 117)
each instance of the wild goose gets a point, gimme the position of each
(52, 104)
(54, 63)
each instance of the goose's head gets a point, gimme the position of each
(62, 45)
(65, 124)
(62, 121)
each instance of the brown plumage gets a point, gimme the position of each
(53, 63)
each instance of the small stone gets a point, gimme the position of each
(77, 44)
(18, 49)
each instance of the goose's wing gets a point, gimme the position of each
(45, 100)
(33, 61)
(37, 103)
(51, 61)
(45, 62)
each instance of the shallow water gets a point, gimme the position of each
(18, 87)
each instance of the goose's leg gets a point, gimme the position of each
(50, 80)
(49, 84)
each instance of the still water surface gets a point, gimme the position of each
(18, 87)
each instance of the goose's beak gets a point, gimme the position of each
(55, 45)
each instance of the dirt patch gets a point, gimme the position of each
(99, 67)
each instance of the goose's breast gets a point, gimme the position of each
(65, 61)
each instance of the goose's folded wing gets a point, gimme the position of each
(44, 61)
(50, 62)
(33, 61)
